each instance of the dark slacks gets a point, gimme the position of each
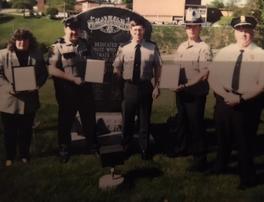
(239, 123)
(72, 98)
(137, 100)
(17, 131)
(191, 112)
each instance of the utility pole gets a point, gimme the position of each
(64, 10)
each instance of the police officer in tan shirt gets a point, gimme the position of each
(193, 57)
(138, 62)
(67, 63)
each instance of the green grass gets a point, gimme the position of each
(45, 30)
(46, 179)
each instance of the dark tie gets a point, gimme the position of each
(137, 63)
(182, 77)
(236, 74)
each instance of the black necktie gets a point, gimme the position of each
(182, 77)
(236, 74)
(137, 63)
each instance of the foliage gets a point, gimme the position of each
(217, 4)
(68, 5)
(225, 21)
(5, 4)
(23, 4)
(52, 12)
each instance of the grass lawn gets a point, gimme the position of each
(45, 30)
(46, 179)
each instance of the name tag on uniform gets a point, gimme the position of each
(95, 70)
(24, 78)
(170, 76)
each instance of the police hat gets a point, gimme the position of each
(248, 21)
(72, 22)
(193, 17)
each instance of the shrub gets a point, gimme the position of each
(52, 12)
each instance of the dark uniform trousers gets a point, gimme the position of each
(72, 98)
(17, 127)
(240, 123)
(191, 114)
(137, 99)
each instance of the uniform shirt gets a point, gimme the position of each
(251, 72)
(70, 57)
(194, 57)
(150, 60)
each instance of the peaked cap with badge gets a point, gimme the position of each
(193, 17)
(248, 21)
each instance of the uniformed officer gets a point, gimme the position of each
(67, 63)
(193, 57)
(237, 78)
(137, 62)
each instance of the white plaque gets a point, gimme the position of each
(24, 78)
(170, 76)
(95, 70)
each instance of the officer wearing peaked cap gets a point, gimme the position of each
(237, 78)
(248, 21)
(138, 62)
(67, 63)
(193, 56)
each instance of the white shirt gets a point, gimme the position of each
(251, 72)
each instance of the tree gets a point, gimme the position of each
(69, 4)
(129, 3)
(24, 4)
(217, 4)
(256, 8)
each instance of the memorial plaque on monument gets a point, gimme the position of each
(106, 28)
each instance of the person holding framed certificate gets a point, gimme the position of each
(67, 65)
(22, 72)
(193, 57)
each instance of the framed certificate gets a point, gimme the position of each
(95, 70)
(170, 76)
(24, 78)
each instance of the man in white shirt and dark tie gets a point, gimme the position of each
(237, 78)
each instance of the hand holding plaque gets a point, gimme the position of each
(24, 79)
(170, 77)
